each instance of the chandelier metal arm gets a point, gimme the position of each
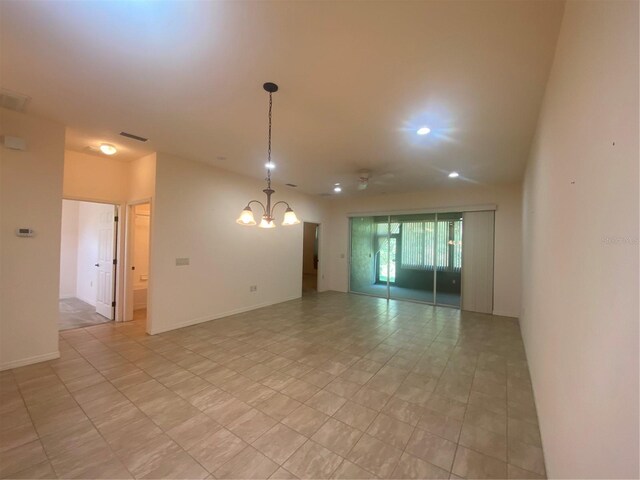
(278, 203)
(264, 210)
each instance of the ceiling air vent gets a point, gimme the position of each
(293, 185)
(134, 137)
(13, 101)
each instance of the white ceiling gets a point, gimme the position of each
(356, 80)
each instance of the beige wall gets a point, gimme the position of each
(69, 249)
(101, 179)
(95, 178)
(507, 238)
(193, 216)
(580, 321)
(31, 193)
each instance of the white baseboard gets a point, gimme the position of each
(208, 318)
(505, 314)
(30, 360)
(64, 297)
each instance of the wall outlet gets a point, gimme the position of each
(182, 261)
(253, 288)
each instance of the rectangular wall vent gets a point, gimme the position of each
(134, 137)
(13, 101)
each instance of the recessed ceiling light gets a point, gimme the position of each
(270, 165)
(108, 149)
(423, 131)
(337, 189)
(454, 175)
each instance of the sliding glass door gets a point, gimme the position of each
(408, 257)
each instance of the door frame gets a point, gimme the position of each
(318, 231)
(127, 304)
(119, 230)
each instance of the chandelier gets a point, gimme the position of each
(267, 221)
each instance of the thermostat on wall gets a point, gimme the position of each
(25, 232)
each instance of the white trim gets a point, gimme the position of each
(30, 360)
(208, 318)
(464, 208)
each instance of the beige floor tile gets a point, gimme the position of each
(413, 467)
(349, 470)
(300, 391)
(479, 417)
(147, 455)
(390, 430)
(342, 354)
(432, 448)
(497, 405)
(447, 406)
(527, 457)
(14, 417)
(305, 420)
(193, 430)
(343, 387)
(404, 411)
(375, 456)
(337, 436)
(227, 409)
(21, 458)
(278, 406)
(282, 474)
(440, 425)
(189, 387)
(524, 432)
(356, 415)
(89, 459)
(357, 376)
(279, 443)
(215, 450)
(249, 463)
(41, 470)
(16, 436)
(70, 438)
(326, 402)
(251, 425)
(470, 464)
(484, 441)
(514, 472)
(313, 461)
(178, 465)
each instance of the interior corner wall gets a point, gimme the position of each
(69, 249)
(580, 288)
(30, 197)
(193, 217)
(508, 232)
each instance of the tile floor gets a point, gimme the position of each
(328, 386)
(75, 313)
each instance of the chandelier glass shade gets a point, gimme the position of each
(267, 220)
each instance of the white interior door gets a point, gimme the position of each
(477, 261)
(106, 265)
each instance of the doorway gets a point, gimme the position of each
(310, 258)
(87, 264)
(137, 282)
